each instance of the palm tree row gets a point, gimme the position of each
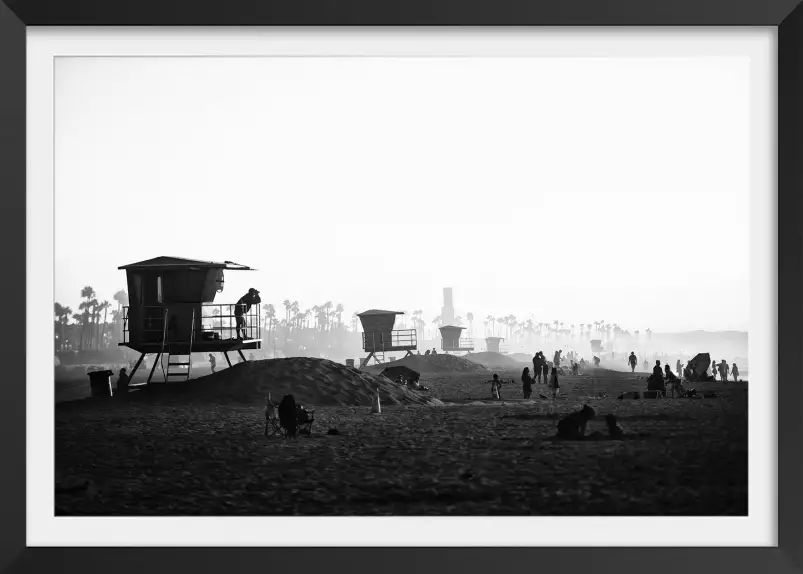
(91, 330)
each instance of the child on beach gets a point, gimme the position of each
(496, 387)
(554, 384)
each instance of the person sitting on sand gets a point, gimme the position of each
(656, 381)
(674, 382)
(526, 383)
(122, 381)
(427, 353)
(596, 361)
(575, 368)
(556, 359)
(735, 373)
(434, 352)
(496, 387)
(554, 383)
(212, 361)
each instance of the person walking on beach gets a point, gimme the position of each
(526, 383)
(724, 371)
(679, 368)
(496, 387)
(633, 361)
(735, 373)
(554, 383)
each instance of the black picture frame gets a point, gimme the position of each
(15, 15)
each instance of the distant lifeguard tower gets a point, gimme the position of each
(492, 343)
(172, 312)
(379, 337)
(451, 341)
(596, 346)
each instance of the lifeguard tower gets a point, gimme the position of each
(172, 311)
(378, 335)
(492, 344)
(596, 346)
(451, 341)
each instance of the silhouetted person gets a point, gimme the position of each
(656, 381)
(546, 369)
(554, 383)
(434, 352)
(212, 361)
(674, 382)
(575, 368)
(714, 369)
(633, 361)
(735, 373)
(646, 365)
(526, 383)
(679, 368)
(724, 371)
(596, 361)
(287, 415)
(427, 353)
(496, 387)
(242, 307)
(123, 381)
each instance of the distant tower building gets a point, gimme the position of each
(447, 311)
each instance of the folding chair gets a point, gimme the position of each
(272, 421)
(305, 423)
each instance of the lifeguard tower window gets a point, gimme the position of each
(159, 289)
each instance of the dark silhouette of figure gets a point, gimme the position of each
(596, 361)
(212, 361)
(674, 382)
(633, 361)
(287, 415)
(679, 368)
(735, 373)
(427, 353)
(724, 371)
(122, 381)
(496, 387)
(554, 383)
(526, 383)
(242, 307)
(573, 426)
(656, 381)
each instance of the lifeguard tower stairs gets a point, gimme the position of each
(379, 336)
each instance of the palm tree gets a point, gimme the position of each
(88, 293)
(58, 311)
(104, 306)
(122, 300)
(470, 317)
(287, 305)
(339, 312)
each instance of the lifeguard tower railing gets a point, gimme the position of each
(402, 340)
(216, 318)
(463, 344)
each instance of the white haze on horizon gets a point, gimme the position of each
(571, 189)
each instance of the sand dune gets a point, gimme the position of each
(494, 360)
(311, 381)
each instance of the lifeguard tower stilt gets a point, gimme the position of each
(492, 343)
(451, 341)
(379, 336)
(172, 313)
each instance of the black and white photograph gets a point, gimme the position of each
(411, 285)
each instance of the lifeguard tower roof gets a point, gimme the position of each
(175, 263)
(371, 312)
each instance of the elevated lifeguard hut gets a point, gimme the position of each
(378, 335)
(172, 312)
(492, 343)
(596, 346)
(451, 341)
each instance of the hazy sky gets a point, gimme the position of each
(565, 188)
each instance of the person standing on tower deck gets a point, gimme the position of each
(242, 307)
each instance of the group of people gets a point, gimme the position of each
(723, 370)
(720, 368)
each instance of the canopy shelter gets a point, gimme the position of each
(172, 311)
(379, 336)
(492, 343)
(451, 341)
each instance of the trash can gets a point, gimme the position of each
(350, 363)
(100, 383)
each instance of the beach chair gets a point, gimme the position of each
(304, 422)
(272, 420)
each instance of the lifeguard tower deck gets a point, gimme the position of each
(379, 337)
(492, 344)
(172, 311)
(451, 341)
